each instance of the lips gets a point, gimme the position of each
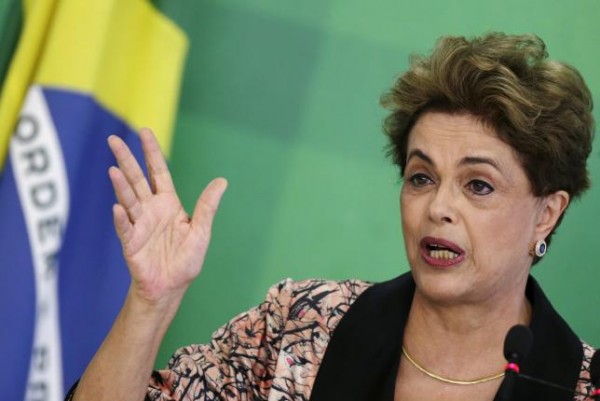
(439, 252)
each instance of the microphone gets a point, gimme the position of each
(517, 344)
(516, 347)
(595, 375)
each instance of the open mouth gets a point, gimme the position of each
(437, 251)
(443, 251)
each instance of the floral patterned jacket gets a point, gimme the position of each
(324, 340)
(285, 349)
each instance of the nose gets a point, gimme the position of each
(442, 206)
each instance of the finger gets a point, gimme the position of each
(125, 194)
(207, 205)
(123, 226)
(158, 171)
(130, 167)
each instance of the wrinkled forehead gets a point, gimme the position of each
(449, 138)
(457, 126)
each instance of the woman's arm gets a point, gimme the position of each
(164, 249)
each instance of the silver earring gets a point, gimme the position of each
(540, 248)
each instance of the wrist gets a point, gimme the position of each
(153, 314)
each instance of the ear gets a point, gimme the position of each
(552, 207)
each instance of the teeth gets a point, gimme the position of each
(443, 254)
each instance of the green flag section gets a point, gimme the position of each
(79, 72)
(11, 18)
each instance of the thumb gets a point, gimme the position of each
(207, 204)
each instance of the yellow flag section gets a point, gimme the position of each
(123, 51)
(82, 70)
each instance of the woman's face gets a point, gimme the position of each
(468, 215)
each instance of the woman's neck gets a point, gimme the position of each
(462, 341)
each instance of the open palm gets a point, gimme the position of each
(163, 247)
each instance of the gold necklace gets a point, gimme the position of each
(446, 380)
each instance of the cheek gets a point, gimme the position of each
(414, 206)
(411, 217)
(406, 211)
(518, 222)
(505, 231)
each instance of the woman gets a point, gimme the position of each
(491, 139)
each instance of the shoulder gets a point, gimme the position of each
(584, 385)
(346, 289)
(588, 353)
(290, 307)
(315, 296)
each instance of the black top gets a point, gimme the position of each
(361, 361)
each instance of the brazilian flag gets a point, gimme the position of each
(72, 72)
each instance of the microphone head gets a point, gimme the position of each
(517, 343)
(595, 369)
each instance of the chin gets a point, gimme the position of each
(442, 287)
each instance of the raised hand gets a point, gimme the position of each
(163, 247)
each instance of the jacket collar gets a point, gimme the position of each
(362, 358)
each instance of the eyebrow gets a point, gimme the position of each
(418, 153)
(469, 160)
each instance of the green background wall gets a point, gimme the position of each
(281, 97)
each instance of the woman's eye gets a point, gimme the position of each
(479, 187)
(419, 180)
